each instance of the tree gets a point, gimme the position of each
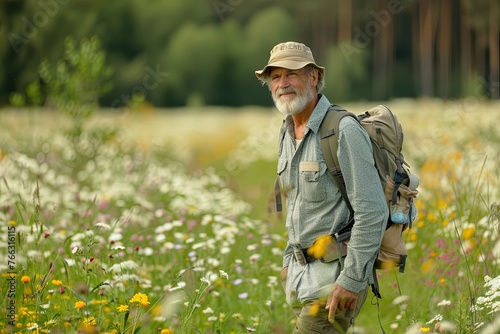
(257, 43)
(426, 36)
(444, 48)
(421, 51)
(494, 90)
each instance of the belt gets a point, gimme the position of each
(334, 251)
(302, 257)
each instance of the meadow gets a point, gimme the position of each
(160, 221)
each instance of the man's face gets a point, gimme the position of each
(291, 90)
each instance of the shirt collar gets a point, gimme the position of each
(318, 113)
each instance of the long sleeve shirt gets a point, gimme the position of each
(315, 206)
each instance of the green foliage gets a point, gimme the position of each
(17, 99)
(73, 85)
(34, 93)
(76, 82)
(259, 40)
(136, 34)
(198, 53)
(345, 73)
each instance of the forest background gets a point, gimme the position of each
(152, 145)
(204, 52)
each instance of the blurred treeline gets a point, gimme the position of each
(192, 52)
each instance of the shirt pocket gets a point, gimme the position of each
(313, 188)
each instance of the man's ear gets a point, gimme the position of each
(314, 77)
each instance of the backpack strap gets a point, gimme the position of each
(277, 194)
(277, 188)
(329, 135)
(281, 137)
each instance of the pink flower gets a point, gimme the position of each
(103, 205)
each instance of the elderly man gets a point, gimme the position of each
(325, 294)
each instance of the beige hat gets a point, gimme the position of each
(290, 55)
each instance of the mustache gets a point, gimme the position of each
(282, 91)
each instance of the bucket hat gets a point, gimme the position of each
(290, 55)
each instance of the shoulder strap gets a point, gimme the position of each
(277, 187)
(329, 134)
(281, 136)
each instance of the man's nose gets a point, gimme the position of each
(284, 81)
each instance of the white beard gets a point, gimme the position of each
(292, 105)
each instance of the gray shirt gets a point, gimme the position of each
(315, 206)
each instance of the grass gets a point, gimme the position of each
(163, 224)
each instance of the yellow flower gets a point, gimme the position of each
(79, 304)
(24, 311)
(313, 311)
(25, 279)
(468, 232)
(99, 301)
(122, 308)
(315, 307)
(50, 323)
(140, 298)
(89, 321)
(457, 156)
(56, 282)
(167, 331)
(441, 204)
(319, 247)
(431, 216)
(427, 266)
(425, 329)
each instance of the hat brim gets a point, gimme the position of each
(288, 64)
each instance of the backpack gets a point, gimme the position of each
(386, 135)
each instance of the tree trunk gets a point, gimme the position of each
(390, 58)
(345, 21)
(465, 48)
(426, 48)
(415, 48)
(480, 58)
(444, 48)
(494, 54)
(381, 59)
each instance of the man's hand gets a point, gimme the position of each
(341, 299)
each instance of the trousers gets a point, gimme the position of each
(311, 319)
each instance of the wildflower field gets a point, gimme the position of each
(160, 221)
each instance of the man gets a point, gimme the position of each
(326, 295)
